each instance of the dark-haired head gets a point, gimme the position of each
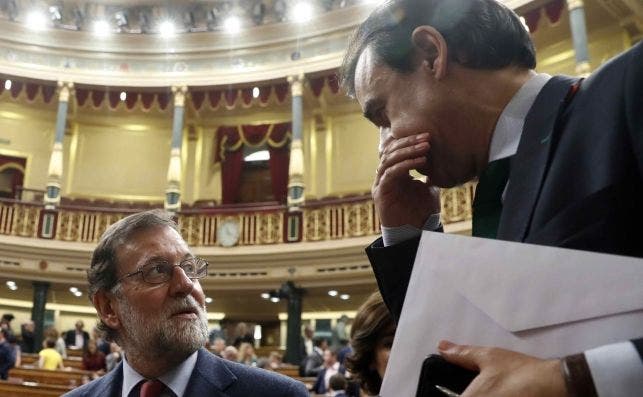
(480, 34)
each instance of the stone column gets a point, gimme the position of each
(579, 35)
(40, 290)
(173, 191)
(293, 335)
(296, 166)
(55, 171)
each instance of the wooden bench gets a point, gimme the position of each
(289, 370)
(32, 359)
(49, 377)
(31, 389)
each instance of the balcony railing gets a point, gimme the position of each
(329, 219)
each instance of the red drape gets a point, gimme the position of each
(229, 144)
(147, 99)
(554, 9)
(48, 92)
(231, 176)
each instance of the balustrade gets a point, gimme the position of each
(329, 219)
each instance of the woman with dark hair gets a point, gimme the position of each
(371, 339)
(93, 359)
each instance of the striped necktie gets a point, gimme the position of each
(487, 204)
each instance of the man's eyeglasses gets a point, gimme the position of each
(161, 271)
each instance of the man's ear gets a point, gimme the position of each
(105, 303)
(432, 50)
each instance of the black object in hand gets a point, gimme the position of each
(438, 371)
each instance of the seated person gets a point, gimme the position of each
(330, 367)
(337, 386)
(371, 338)
(49, 358)
(93, 359)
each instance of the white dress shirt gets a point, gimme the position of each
(617, 369)
(176, 379)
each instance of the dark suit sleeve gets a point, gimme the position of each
(392, 266)
(633, 87)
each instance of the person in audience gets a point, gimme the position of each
(243, 335)
(17, 351)
(331, 367)
(27, 337)
(371, 338)
(5, 323)
(101, 343)
(230, 353)
(7, 358)
(247, 354)
(337, 386)
(52, 333)
(217, 346)
(49, 358)
(93, 359)
(344, 350)
(307, 341)
(275, 360)
(114, 357)
(313, 363)
(77, 338)
(144, 283)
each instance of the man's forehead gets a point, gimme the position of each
(366, 74)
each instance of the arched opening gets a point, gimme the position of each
(12, 175)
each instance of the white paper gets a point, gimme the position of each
(542, 301)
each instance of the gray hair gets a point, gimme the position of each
(103, 269)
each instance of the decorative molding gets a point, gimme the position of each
(64, 90)
(574, 4)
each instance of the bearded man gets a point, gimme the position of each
(144, 284)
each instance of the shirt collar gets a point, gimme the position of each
(176, 379)
(506, 135)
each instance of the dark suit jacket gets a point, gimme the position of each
(70, 338)
(576, 180)
(320, 385)
(212, 376)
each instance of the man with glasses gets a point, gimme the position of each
(144, 284)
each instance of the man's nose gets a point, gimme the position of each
(180, 283)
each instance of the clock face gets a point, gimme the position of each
(228, 233)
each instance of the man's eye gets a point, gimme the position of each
(158, 269)
(188, 267)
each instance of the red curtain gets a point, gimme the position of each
(231, 176)
(48, 92)
(228, 149)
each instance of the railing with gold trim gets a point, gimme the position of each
(329, 219)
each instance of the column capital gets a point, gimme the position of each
(573, 4)
(296, 84)
(179, 92)
(64, 90)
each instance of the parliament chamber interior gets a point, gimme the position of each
(230, 115)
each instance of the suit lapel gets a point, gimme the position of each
(110, 385)
(529, 165)
(210, 376)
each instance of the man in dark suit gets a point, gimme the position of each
(330, 368)
(451, 85)
(77, 338)
(144, 284)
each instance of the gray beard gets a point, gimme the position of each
(163, 337)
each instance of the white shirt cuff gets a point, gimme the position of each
(617, 369)
(397, 234)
